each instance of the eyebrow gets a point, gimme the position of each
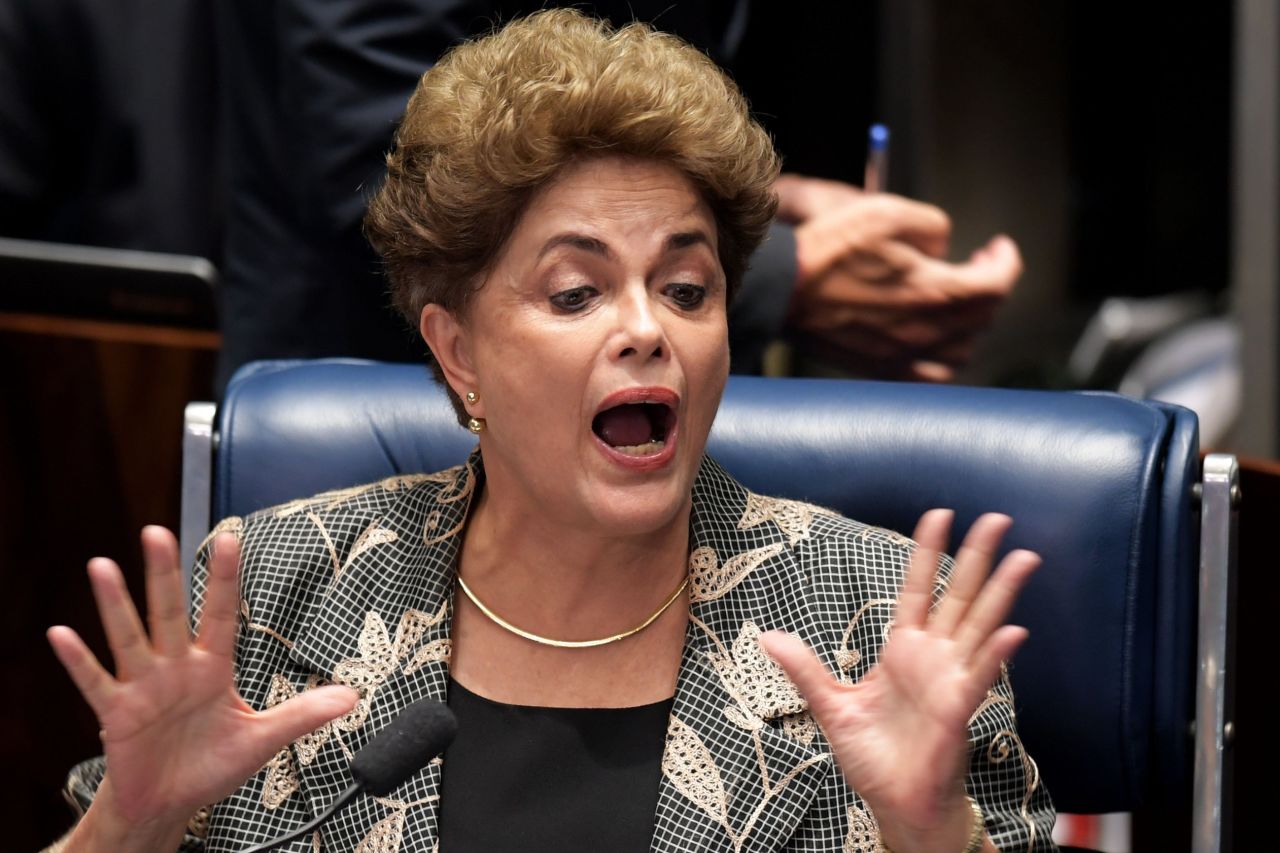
(576, 241)
(685, 239)
(679, 240)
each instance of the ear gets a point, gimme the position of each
(451, 345)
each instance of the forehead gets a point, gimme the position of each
(619, 198)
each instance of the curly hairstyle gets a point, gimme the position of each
(498, 117)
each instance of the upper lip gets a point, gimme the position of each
(640, 394)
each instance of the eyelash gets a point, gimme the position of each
(687, 296)
(561, 300)
(696, 293)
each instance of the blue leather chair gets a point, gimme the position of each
(1106, 488)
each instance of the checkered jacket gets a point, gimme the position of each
(356, 587)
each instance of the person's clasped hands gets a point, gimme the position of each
(875, 293)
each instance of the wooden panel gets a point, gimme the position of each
(90, 451)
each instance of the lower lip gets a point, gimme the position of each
(641, 463)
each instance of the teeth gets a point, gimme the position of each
(647, 449)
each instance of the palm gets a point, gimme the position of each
(901, 730)
(900, 734)
(149, 730)
(177, 735)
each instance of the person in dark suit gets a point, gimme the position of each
(312, 89)
(106, 133)
(663, 659)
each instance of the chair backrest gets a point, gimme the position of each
(1100, 485)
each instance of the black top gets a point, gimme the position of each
(530, 779)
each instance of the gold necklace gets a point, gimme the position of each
(571, 644)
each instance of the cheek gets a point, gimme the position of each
(534, 379)
(708, 371)
(713, 350)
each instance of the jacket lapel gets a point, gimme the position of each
(384, 628)
(743, 760)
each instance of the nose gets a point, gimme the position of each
(640, 331)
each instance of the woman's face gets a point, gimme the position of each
(598, 347)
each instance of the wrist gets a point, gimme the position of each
(105, 827)
(961, 829)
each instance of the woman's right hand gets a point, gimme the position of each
(176, 733)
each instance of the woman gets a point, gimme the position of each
(567, 212)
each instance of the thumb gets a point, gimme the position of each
(998, 259)
(990, 272)
(302, 714)
(800, 664)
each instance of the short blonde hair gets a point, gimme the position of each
(496, 118)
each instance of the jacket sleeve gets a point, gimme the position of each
(759, 308)
(82, 785)
(1004, 779)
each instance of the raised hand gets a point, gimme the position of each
(177, 735)
(900, 734)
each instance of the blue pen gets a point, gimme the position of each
(876, 177)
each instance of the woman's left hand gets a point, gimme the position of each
(900, 735)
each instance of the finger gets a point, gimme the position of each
(891, 273)
(120, 622)
(972, 565)
(942, 363)
(917, 590)
(874, 225)
(801, 198)
(862, 280)
(956, 323)
(996, 600)
(94, 683)
(801, 665)
(923, 226)
(993, 271)
(998, 648)
(921, 332)
(219, 618)
(1000, 249)
(166, 607)
(862, 347)
(953, 353)
(875, 273)
(932, 371)
(276, 727)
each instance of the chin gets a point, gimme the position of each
(640, 509)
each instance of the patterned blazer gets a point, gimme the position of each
(356, 587)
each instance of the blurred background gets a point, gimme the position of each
(1129, 149)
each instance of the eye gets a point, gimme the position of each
(686, 295)
(573, 299)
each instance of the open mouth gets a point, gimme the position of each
(635, 429)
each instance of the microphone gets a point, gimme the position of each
(419, 734)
